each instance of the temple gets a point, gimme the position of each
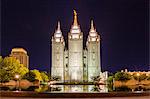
(76, 63)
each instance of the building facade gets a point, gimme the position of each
(21, 55)
(76, 63)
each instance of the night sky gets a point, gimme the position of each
(122, 24)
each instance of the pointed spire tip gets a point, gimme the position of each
(58, 27)
(75, 22)
(75, 13)
(92, 25)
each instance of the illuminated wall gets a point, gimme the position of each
(75, 49)
(93, 49)
(58, 45)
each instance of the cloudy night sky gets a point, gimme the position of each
(122, 24)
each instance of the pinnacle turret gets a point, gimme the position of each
(92, 27)
(58, 32)
(58, 26)
(92, 30)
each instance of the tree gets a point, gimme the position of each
(1, 59)
(122, 76)
(44, 77)
(38, 74)
(34, 75)
(110, 79)
(148, 77)
(142, 77)
(30, 76)
(9, 67)
(139, 77)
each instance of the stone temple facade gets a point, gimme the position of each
(76, 63)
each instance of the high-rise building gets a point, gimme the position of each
(76, 63)
(21, 55)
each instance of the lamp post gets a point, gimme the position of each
(17, 82)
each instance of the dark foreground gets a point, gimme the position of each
(28, 94)
(143, 97)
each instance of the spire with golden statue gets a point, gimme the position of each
(75, 22)
(75, 27)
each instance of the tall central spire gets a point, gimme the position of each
(75, 28)
(75, 18)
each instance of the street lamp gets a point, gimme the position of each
(17, 76)
(138, 74)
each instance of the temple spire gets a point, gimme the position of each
(58, 26)
(58, 32)
(92, 27)
(75, 28)
(92, 32)
(75, 22)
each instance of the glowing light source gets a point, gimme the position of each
(17, 76)
(94, 34)
(57, 40)
(138, 74)
(93, 39)
(75, 36)
(75, 31)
